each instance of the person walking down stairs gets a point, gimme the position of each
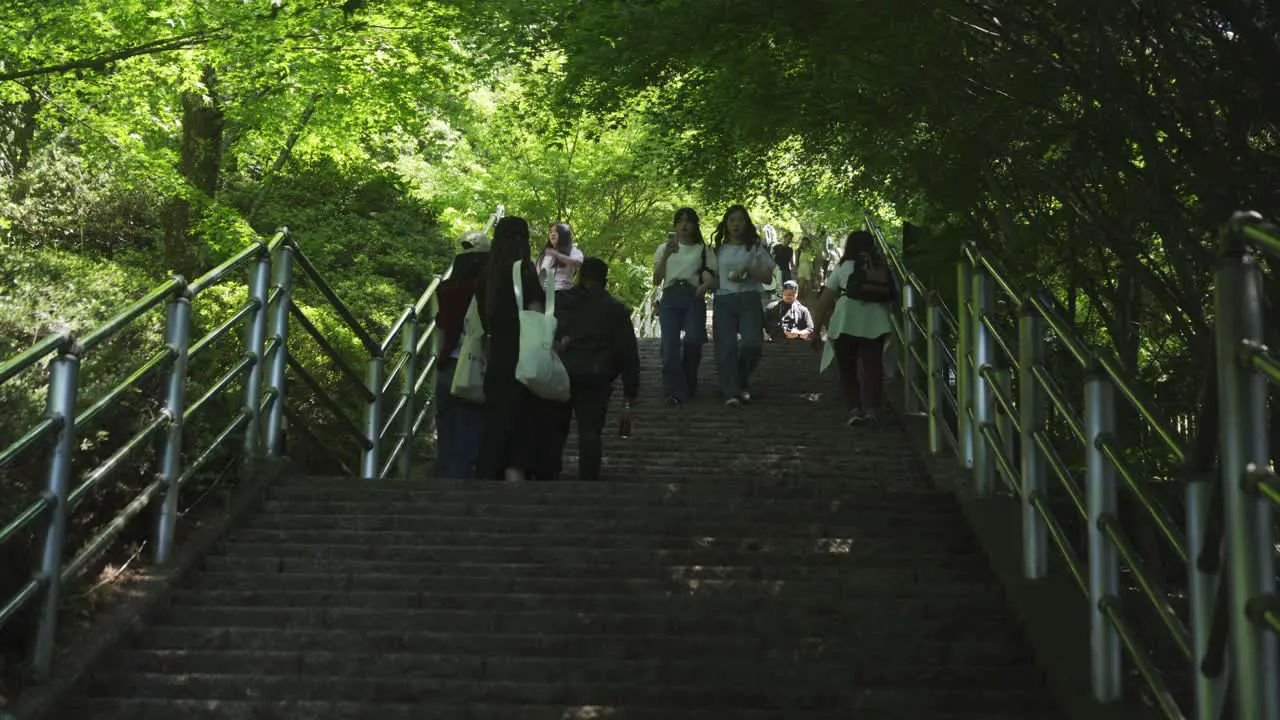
(685, 269)
(743, 268)
(856, 312)
(597, 343)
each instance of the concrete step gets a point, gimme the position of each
(887, 582)
(762, 567)
(167, 709)
(819, 693)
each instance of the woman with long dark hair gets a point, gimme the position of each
(743, 268)
(685, 268)
(513, 416)
(560, 256)
(856, 308)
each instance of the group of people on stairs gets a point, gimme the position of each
(495, 427)
(498, 428)
(854, 306)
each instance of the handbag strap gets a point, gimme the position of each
(548, 288)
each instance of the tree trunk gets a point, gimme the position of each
(200, 163)
(20, 120)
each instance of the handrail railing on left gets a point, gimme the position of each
(268, 315)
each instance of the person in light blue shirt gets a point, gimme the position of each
(743, 266)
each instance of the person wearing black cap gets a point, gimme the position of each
(597, 343)
(788, 318)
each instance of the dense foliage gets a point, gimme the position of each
(1094, 147)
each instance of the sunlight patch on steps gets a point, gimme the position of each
(587, 712)
(837, 546)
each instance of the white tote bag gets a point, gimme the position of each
(468, 378)
(539, 367)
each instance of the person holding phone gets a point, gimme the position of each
(685, 268)
(561, 256)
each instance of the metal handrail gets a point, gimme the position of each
(984, 408)
(263, 370)
(335, 302)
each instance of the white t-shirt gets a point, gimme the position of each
(685, 263)
(856, 318)
(737, 257)
(564, 273)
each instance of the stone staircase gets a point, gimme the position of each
(767, 562)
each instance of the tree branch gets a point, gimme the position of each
(99, 61)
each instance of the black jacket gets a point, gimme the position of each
(601, 338)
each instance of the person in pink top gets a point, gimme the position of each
(561, 256)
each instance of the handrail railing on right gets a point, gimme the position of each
(258, 421)
(1006, 392)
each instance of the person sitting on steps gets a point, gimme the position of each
(787, 318)
(597, 343)
(685, 268)
(856, 312)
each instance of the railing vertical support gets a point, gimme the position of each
(372, 418)
(64, 382)
(1104, 568)
(255, 341)
(178, 337)
(982, 398)
(409, 342)
(1033, 414)
(1005, 422)
(937, 373)
(1242, 392)
(964, 363)
(910, 373)
(280, 361)
(1202, 587)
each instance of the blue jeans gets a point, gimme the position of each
(682, 310)
(459, 424)
(737, 314)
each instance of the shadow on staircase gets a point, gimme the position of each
(765, 562)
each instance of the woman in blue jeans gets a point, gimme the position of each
(743, 268)
(685, 268)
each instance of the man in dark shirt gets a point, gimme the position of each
(597, 343)
(787, 318)
(784, 256)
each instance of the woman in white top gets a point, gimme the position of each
(561, 256)
(856, 308)
(685, 268)
(743, 267)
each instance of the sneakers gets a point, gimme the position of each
(733, 402)
(745, 396)
(673, 401)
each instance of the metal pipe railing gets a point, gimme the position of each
(988, 413)
(263, 365)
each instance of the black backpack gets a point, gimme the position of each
(872, 282)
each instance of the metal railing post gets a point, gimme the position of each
(937, 373)
(178, 338)
(409, 342)
(64, 382)
(1104, 567)
(1249, 545)
(910, 373)
(372, 418)
(1202, 589)
(255, 342)
(280, 361)
(964, 363)
(984, 470)
(1033, 414)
